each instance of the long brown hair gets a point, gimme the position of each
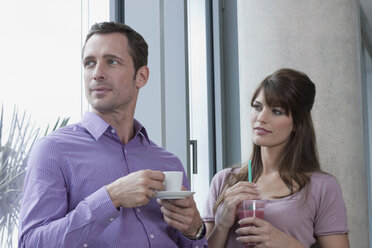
(294, 92)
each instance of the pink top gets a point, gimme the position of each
(323, 212)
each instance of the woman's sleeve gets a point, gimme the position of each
(215, 189)
(330, 217)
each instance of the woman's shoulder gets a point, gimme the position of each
(219, 180)
(224, 173)
(221, 176)
(322, 181)
(323, 177)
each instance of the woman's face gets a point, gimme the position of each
(271, 127)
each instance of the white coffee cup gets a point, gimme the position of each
(173, 180)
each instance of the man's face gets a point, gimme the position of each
(109, 74)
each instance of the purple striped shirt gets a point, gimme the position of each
(65, 202)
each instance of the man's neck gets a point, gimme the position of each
(122, 122)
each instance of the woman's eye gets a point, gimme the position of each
(277, 111)
(256, 107)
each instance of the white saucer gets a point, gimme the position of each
(173, 194)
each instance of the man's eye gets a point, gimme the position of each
(88, 63)
(113, 62)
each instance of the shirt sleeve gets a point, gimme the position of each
(45, 220)
(182, 240)
(188, 243)
(215, 190)
(331, 215)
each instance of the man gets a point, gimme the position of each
(93, 184)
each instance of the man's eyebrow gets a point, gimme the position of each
(88, 58)
(106, 56)
(111, 56)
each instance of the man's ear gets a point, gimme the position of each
(142, 76)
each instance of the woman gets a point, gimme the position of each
(303, 204)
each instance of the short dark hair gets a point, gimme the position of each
(137, 46)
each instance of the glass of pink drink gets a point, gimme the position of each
(251, 208)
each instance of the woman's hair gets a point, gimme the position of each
(294, 92)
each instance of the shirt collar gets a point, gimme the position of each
(96, 126)
(139, 129)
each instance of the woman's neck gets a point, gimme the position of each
(270, 159)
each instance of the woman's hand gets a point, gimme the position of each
(265, 234)
(226, 213)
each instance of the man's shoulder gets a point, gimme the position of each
(64, 132)
(63, 135)
(161, 155)
(158, 148)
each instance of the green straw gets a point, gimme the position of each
(249, 171)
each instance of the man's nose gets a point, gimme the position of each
(99, 73)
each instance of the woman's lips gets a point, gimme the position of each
(261, 130)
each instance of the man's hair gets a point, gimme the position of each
(137, 46)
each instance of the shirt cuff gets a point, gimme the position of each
(102, 207)
(193, 243)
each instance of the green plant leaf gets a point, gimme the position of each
(15, 147)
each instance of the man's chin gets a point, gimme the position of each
(101, 106)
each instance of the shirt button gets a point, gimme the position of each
(152, 236)
(111, 219)
(112, 130)
(85, 245)
(197, 246)
(138, 210)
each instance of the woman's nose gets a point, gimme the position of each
(262, 116)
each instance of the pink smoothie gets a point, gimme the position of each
(258, 213)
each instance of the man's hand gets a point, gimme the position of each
(182, 214)
(135, 189)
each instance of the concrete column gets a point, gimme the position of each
(321, 38)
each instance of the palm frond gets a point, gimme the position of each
(15, 147)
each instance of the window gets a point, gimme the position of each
(40, 61)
